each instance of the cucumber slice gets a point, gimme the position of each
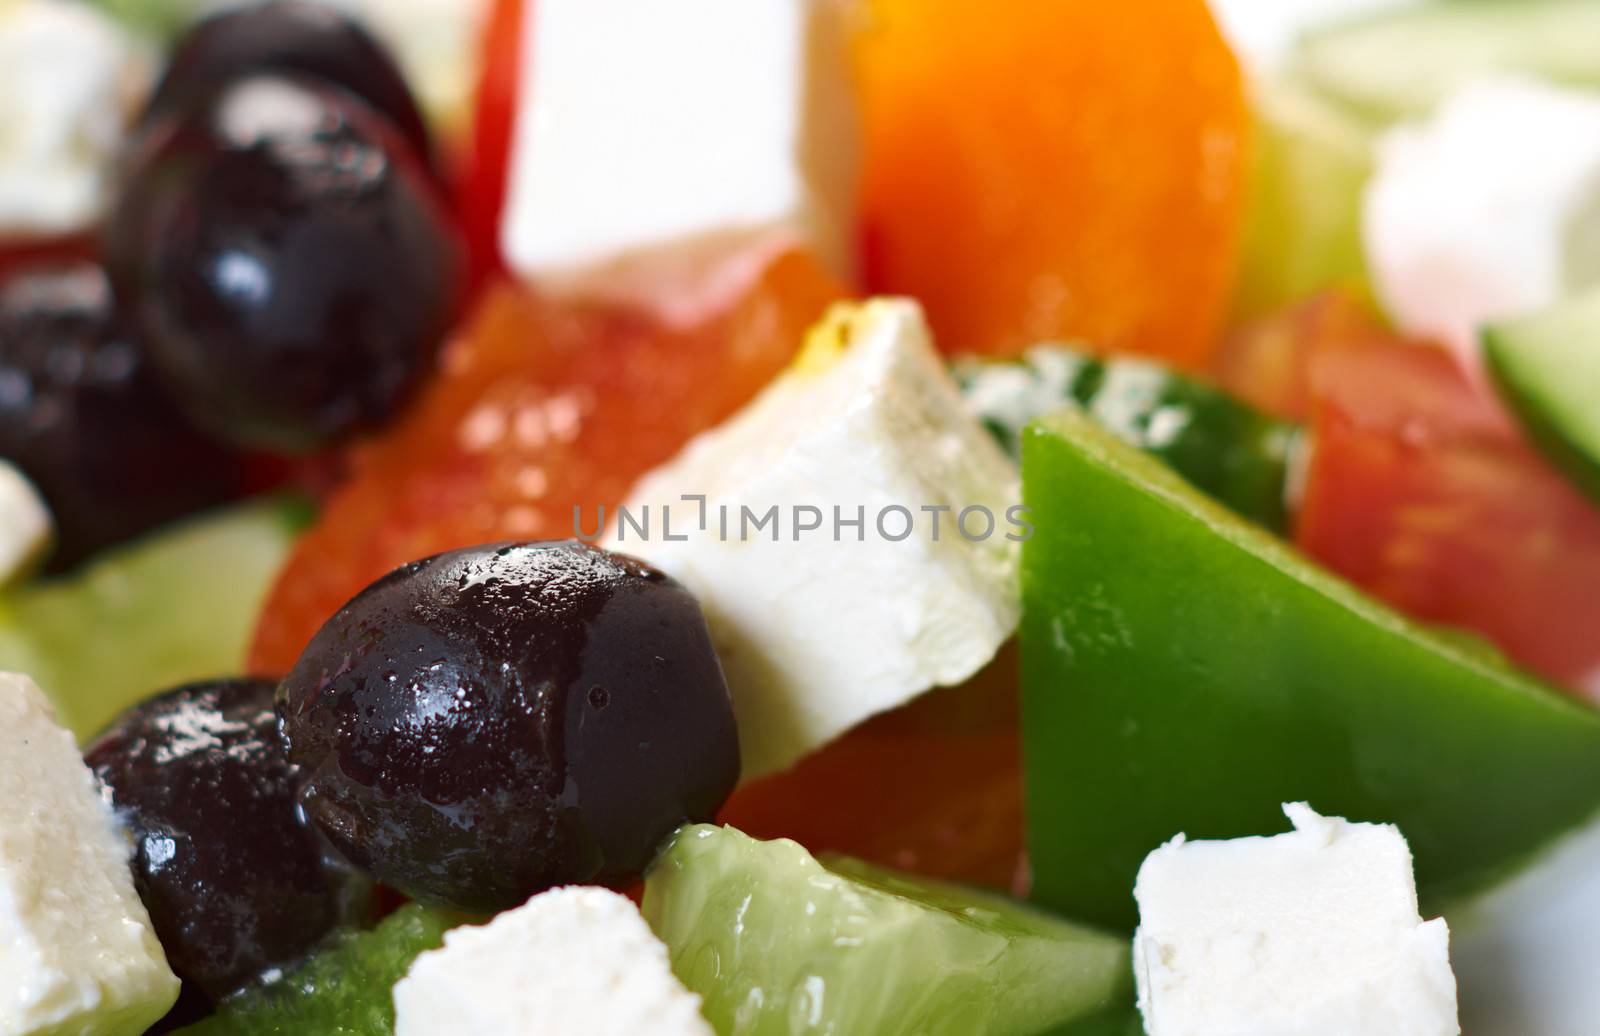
(174, 607)
(777, 943)
(344, 989)
(1313, 158)
(159, 20)
(1548, 368)
(1401, 64)
(1238, 455)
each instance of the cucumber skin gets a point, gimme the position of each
(342, 989)
(1580, 463)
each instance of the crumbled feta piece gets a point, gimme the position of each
(647, 129)
(1490, 209)
(77, 953)
(570, 962)
(1315, 933)
(1527, 953)
(69, 78)
(888, 566)
(25, 526)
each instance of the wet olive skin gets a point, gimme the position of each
(491, 722)
(287, 263)
(287, 36)
(84, 418)
(235, 881)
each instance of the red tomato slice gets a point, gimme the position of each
(1423, 491)
(934, 788)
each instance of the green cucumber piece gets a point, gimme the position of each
(177, 606)
(157, 20)
(1400, 64)
(1183, 671)
(1548, 368)
(1313, 159)
(1237, 454)
(777, 943)
(344, 989)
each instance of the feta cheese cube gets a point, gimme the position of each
(647, 128)
(1314, 933)
(857, 541)
(25, 525)
(69, 78)
(1490, 209)
(570, 962)
(77, 953)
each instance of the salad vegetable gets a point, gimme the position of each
(768, 936)
(1400, 64)
(1548, 365)
(1183, 671)
(175, 607)
(802, 517)
(1238, 455)
(342, 989)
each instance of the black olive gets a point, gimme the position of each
(286, 36)
(85, 420)
(491, 722)
(235, 881)
(288, 265)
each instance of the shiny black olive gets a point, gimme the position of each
(235, 881)
(288, 265)
(82, 417)
(287, 36)
(491, 722)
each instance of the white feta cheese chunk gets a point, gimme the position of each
(645, 129)
(69, 78)
(1314, 933)
(857, 541)
(77, 953)
(570, 962)
(25, 526)
(1490, 209)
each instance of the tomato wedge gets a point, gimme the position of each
(1424, 491)
(934, 788)
(1054, 168)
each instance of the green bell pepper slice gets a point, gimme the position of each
(1183, 671)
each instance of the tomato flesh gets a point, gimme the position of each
(1054, 168)
(1423, 490)
(934, 788)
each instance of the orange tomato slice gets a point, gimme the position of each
(1043, 169)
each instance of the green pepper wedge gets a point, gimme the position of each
(1183, 671)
